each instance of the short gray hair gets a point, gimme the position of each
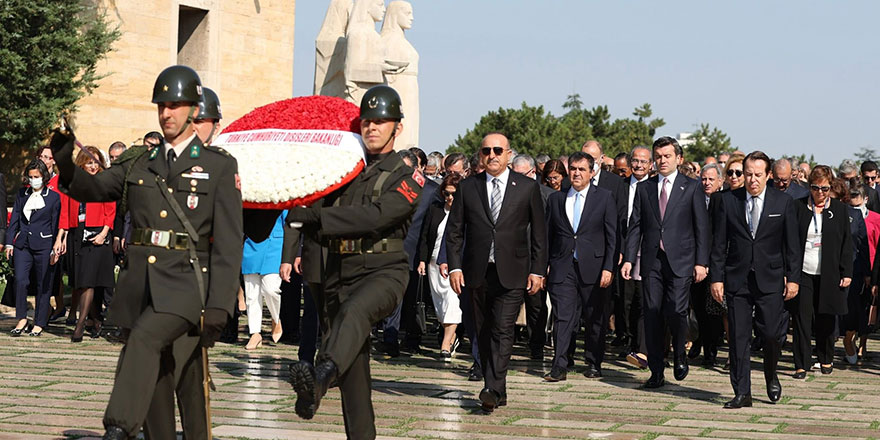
(434, 159)
(542, 158)
(641, 147)
(710, 166)
(848, 166)
(523, 158)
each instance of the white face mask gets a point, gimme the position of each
(36, 183)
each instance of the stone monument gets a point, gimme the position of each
(365, 64)
(330, 50)
(402, 55)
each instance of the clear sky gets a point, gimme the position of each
(787, 77)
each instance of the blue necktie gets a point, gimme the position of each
(576, 219)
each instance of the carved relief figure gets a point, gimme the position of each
(365, 64)
(402, 55)
(330, 50)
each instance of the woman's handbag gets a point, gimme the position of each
(421, 319)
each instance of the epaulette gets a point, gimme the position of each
(218, 150)
(131, 153)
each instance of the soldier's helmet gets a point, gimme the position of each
(177, 84)
(381, 102)
(209, 106)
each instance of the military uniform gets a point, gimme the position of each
(158, 296)
(364, 273)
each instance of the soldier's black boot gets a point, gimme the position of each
(115, 433)
(310, 384)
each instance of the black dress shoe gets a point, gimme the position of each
(489, 399)
(310, 385)
(619, 341)
(591, 372)
(694, 352)
(681, 368)
(774, 389)
(799, 375)
(739, 401)
(655, 381)
(826, 370)
(475, 374)
(556, 375)
(114, 433)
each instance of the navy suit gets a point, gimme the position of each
(574, 284)
(32, 240)
(667, 275)
(753, 271)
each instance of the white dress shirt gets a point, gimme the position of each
(750, 199)
(670, 179)
(180, 146)
(502, 180)
(633, 184)
(569, 204)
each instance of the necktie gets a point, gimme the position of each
(495, 208)
(172, 156)
(576, 218)
(664, 198)
(755, 216)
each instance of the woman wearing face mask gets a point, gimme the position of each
(824, 224)
(86, 227)
(29, 239)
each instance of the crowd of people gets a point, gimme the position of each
(597, 231)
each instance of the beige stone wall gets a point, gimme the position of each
(249, 62)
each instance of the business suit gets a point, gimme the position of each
(821, 299)
(619, 190)
(32, 240)
(753, 271)
(574, 283)
(536, 305)
(797, 192)
(710, 328)
(629, 322)
(518, 235)
(667, 275)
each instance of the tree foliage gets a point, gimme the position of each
(50, 50)
(708, 141)
(866, 154)
(533, 130)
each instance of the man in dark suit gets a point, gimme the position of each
(670, 225)
(613, 183)
(536, 305)
(871, 175)
(582, 230)
(849, 170)
(755, 265)
(496, 247)
(784, 180)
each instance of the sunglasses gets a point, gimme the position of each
(738, 173)
(448, 194)
(820, 188)
(497, 150)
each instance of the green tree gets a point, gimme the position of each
(866, 154)
(530, 130)
(50, 50)
(573, 102)
(708, 141)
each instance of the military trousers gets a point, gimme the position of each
(145, 379)
(348, 309)
(189, 388)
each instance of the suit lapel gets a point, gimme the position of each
(480, 182)
(589, 201)
(765, 211)
(740, 210)
(654, 197)
(509, 191)
(676, 191)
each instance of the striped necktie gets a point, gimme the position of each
(495, 209)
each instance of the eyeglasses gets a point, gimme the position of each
(553, 178)
(448, 193)
(825, 188)
(640, 161)
(738, 173)
(497, 150)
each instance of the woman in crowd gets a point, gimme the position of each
(445, 299)
(29, 239)
(85, 228)
(824, 224)
(262, 282)
(554, 173)
(734, 172)
(859, 297)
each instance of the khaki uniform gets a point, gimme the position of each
(358, 273)
(158, 297)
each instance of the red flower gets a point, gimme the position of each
(303, 113)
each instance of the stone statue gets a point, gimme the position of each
(365, 64)
(400, 53)
(330, 50)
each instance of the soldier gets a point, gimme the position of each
(362, 267)
(207, 121)
(171, 279)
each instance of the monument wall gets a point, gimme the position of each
(242, 49)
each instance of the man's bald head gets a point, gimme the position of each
(493, 139)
